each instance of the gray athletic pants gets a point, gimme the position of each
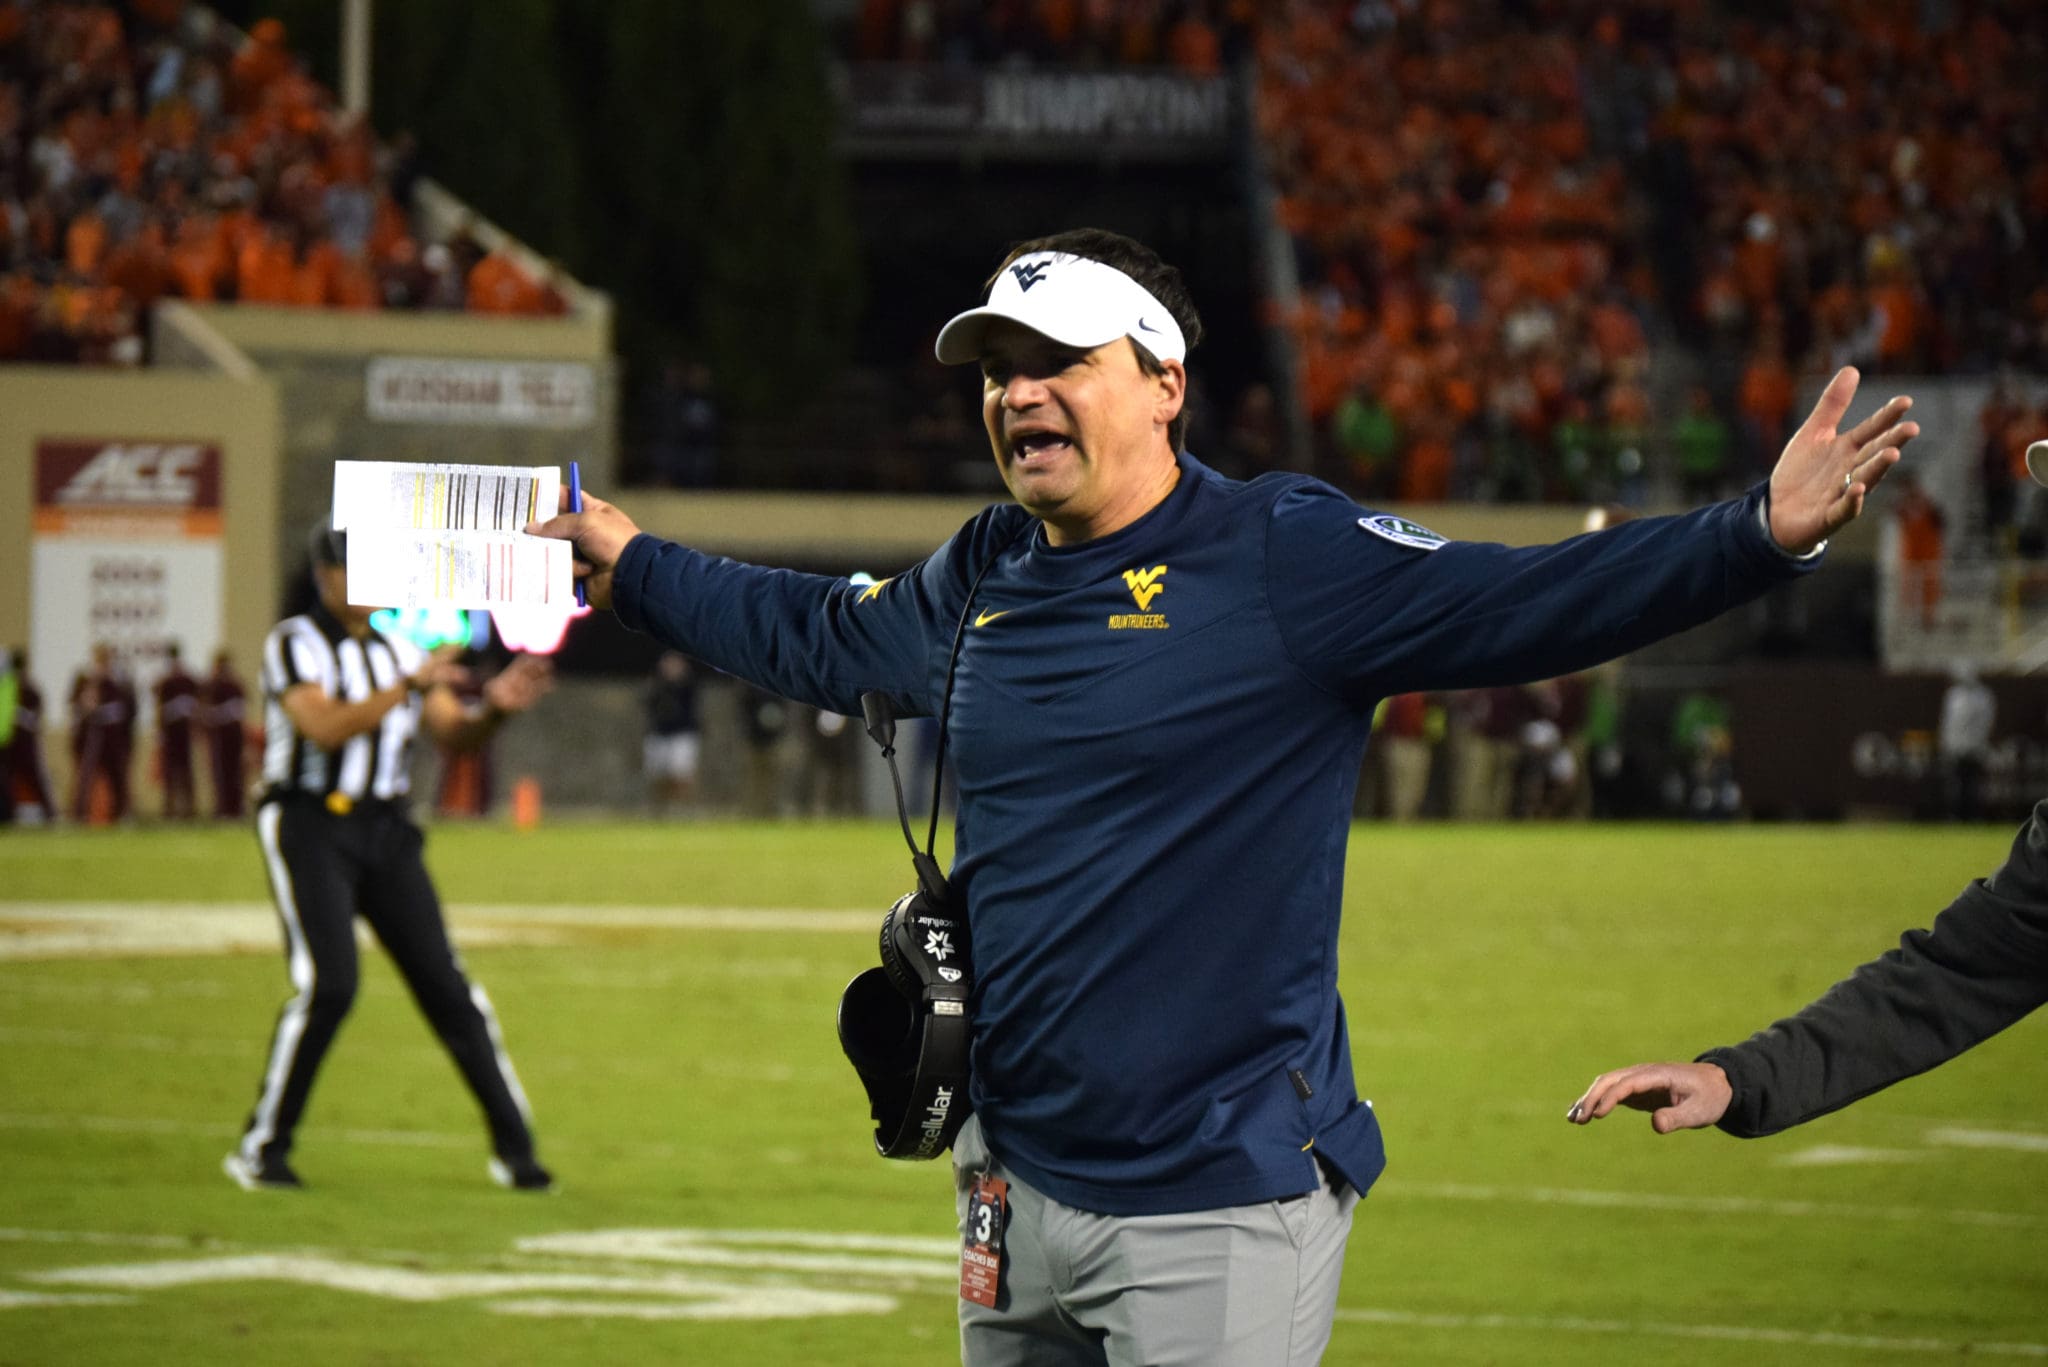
(1242, 1286)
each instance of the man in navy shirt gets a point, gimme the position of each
(1165, 680)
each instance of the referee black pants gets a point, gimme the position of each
(325, 870)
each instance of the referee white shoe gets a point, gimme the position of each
(268, 1174)
(521, 1174)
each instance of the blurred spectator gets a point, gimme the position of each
(1367, 437)
(1701, 782)
(1702, 443)
(1253, 443)
(2012, 500)
(1764, 400)
(669, 752)
(681, 426)
(222, 705)
(499, 284)
(1963, 741)
(468, 778)
(832, 766)
(103, 712)
(2001, 469)
(176, 694)
(26, 772)
(1920, 523)
(1408, 731)
(765, 723)
(1548, 771)
(10, 692)
(1606, 761)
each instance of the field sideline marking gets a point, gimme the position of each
(673, 1295)
(1729, 1333)
(1709, 1205)
(226, 1131)
(65, 930)
(2020, 1141)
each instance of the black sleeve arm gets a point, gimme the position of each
(1982, 966)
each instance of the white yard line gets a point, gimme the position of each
(662, 1274)
(46, 1036)
(1702, 1205)
(1724, 1333)
(67, 930)
(226, 1132)
(2018, 1141)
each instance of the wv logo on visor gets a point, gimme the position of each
(1027, 276)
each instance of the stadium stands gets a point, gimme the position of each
(1530, 236)
(1498, 207)
(153, 152)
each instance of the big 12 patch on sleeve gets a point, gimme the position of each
(1402, 532)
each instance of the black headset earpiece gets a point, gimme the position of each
(904, 1026)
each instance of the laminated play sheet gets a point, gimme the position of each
(449, 535)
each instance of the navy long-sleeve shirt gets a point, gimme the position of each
(1982, 966)
(1158, 735)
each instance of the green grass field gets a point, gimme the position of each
(719, 1201)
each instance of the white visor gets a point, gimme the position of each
(1071, 299)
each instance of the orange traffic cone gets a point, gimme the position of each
(526, 803)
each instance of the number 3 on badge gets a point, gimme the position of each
(981, 1245)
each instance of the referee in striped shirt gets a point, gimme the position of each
(343, 703)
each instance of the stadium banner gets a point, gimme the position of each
(1825, 740)
(127, 554)
(913, 109)
(481, 393)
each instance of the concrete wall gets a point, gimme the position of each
(241, 417)
(318, 359)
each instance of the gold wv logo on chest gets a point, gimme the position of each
(1145, 586)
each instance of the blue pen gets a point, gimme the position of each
(576, 506)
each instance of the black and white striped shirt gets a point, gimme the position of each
(316, 648)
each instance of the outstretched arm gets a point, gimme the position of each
(1982, 966)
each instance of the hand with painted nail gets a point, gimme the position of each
(1679, 1096)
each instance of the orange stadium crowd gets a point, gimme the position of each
(151, 151)
(1497, 206)
(1544, 246)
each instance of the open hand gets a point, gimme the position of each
(520, 684)
(1819, 483)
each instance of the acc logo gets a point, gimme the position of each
(139, 473)
(1402, 532)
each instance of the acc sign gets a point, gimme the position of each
(127, 476)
